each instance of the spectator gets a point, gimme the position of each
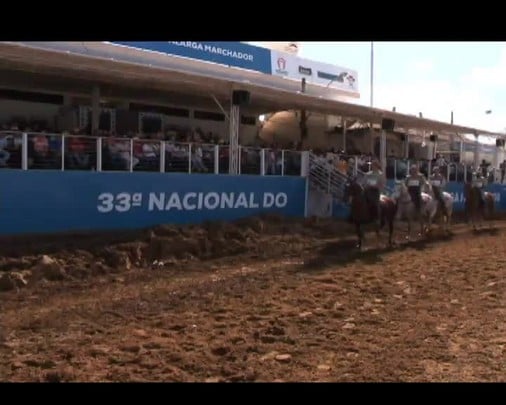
(4, 155)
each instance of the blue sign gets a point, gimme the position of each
(457, 192)
(44, 202)
(236, 54)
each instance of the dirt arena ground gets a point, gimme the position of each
(261, 300)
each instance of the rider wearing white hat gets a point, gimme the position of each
(375, 182)
(479, 182)
(437, 182)
(414, 182)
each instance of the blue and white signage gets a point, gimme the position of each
(44, 202)
(234, 54)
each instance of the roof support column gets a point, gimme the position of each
(95, 108)
(343, 122)
(461, 150)
(476, 152)
(406, 146)
(383, 150)
(495, 161)
(235, 116)
(372, 140)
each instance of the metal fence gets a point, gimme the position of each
(43, 151)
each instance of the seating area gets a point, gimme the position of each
(46, 151)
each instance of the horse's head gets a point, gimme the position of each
(352, 189)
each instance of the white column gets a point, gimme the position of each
(95, 108)
(162, 156)
(62, 152)
(233, 167)
(24, 152)
(99, 154)
(216, 159)
(262, 162)
(304, 163)
(343, 121)
(495, 161)
(406, 147)
(131, 166)
(383, 150)
(476, 152)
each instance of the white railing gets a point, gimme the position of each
(43, 151)
(326, 177)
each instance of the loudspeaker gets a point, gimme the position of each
(403, 137)
(387, 124)
(240, 97)
(433, 138)
(499, 142)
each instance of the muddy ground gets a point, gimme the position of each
(264, 299)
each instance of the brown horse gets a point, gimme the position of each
(362, 213)
(475, 209)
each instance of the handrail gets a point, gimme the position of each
(48, 151)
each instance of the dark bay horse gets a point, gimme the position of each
(362, 213)
(475, 209)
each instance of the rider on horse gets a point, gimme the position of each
(437, 181)
(374, 184)
(479, 182)
(414, 182)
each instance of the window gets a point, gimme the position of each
(170, 111)
(151, 125)
(208, 116)
(31, 96)
(245, 120)
(104, 121)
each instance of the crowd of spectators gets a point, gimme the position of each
(397, 168)
(185, 150)
(192, 150)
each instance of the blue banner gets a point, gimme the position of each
(44, 202)
(340, 210)
(235, 54)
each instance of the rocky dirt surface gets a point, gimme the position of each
(264, 299)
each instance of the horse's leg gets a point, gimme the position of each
(359, 235)
(390, 230)
(491, 214)
(421, 219)
(448, 221)
(379, 226)
(481, 216)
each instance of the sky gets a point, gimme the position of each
(433, 78)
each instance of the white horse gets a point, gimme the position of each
(448, 202)
(406, 208)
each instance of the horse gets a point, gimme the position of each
(362, 213)
(448, 202)
(406, 208)
(476, 211)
